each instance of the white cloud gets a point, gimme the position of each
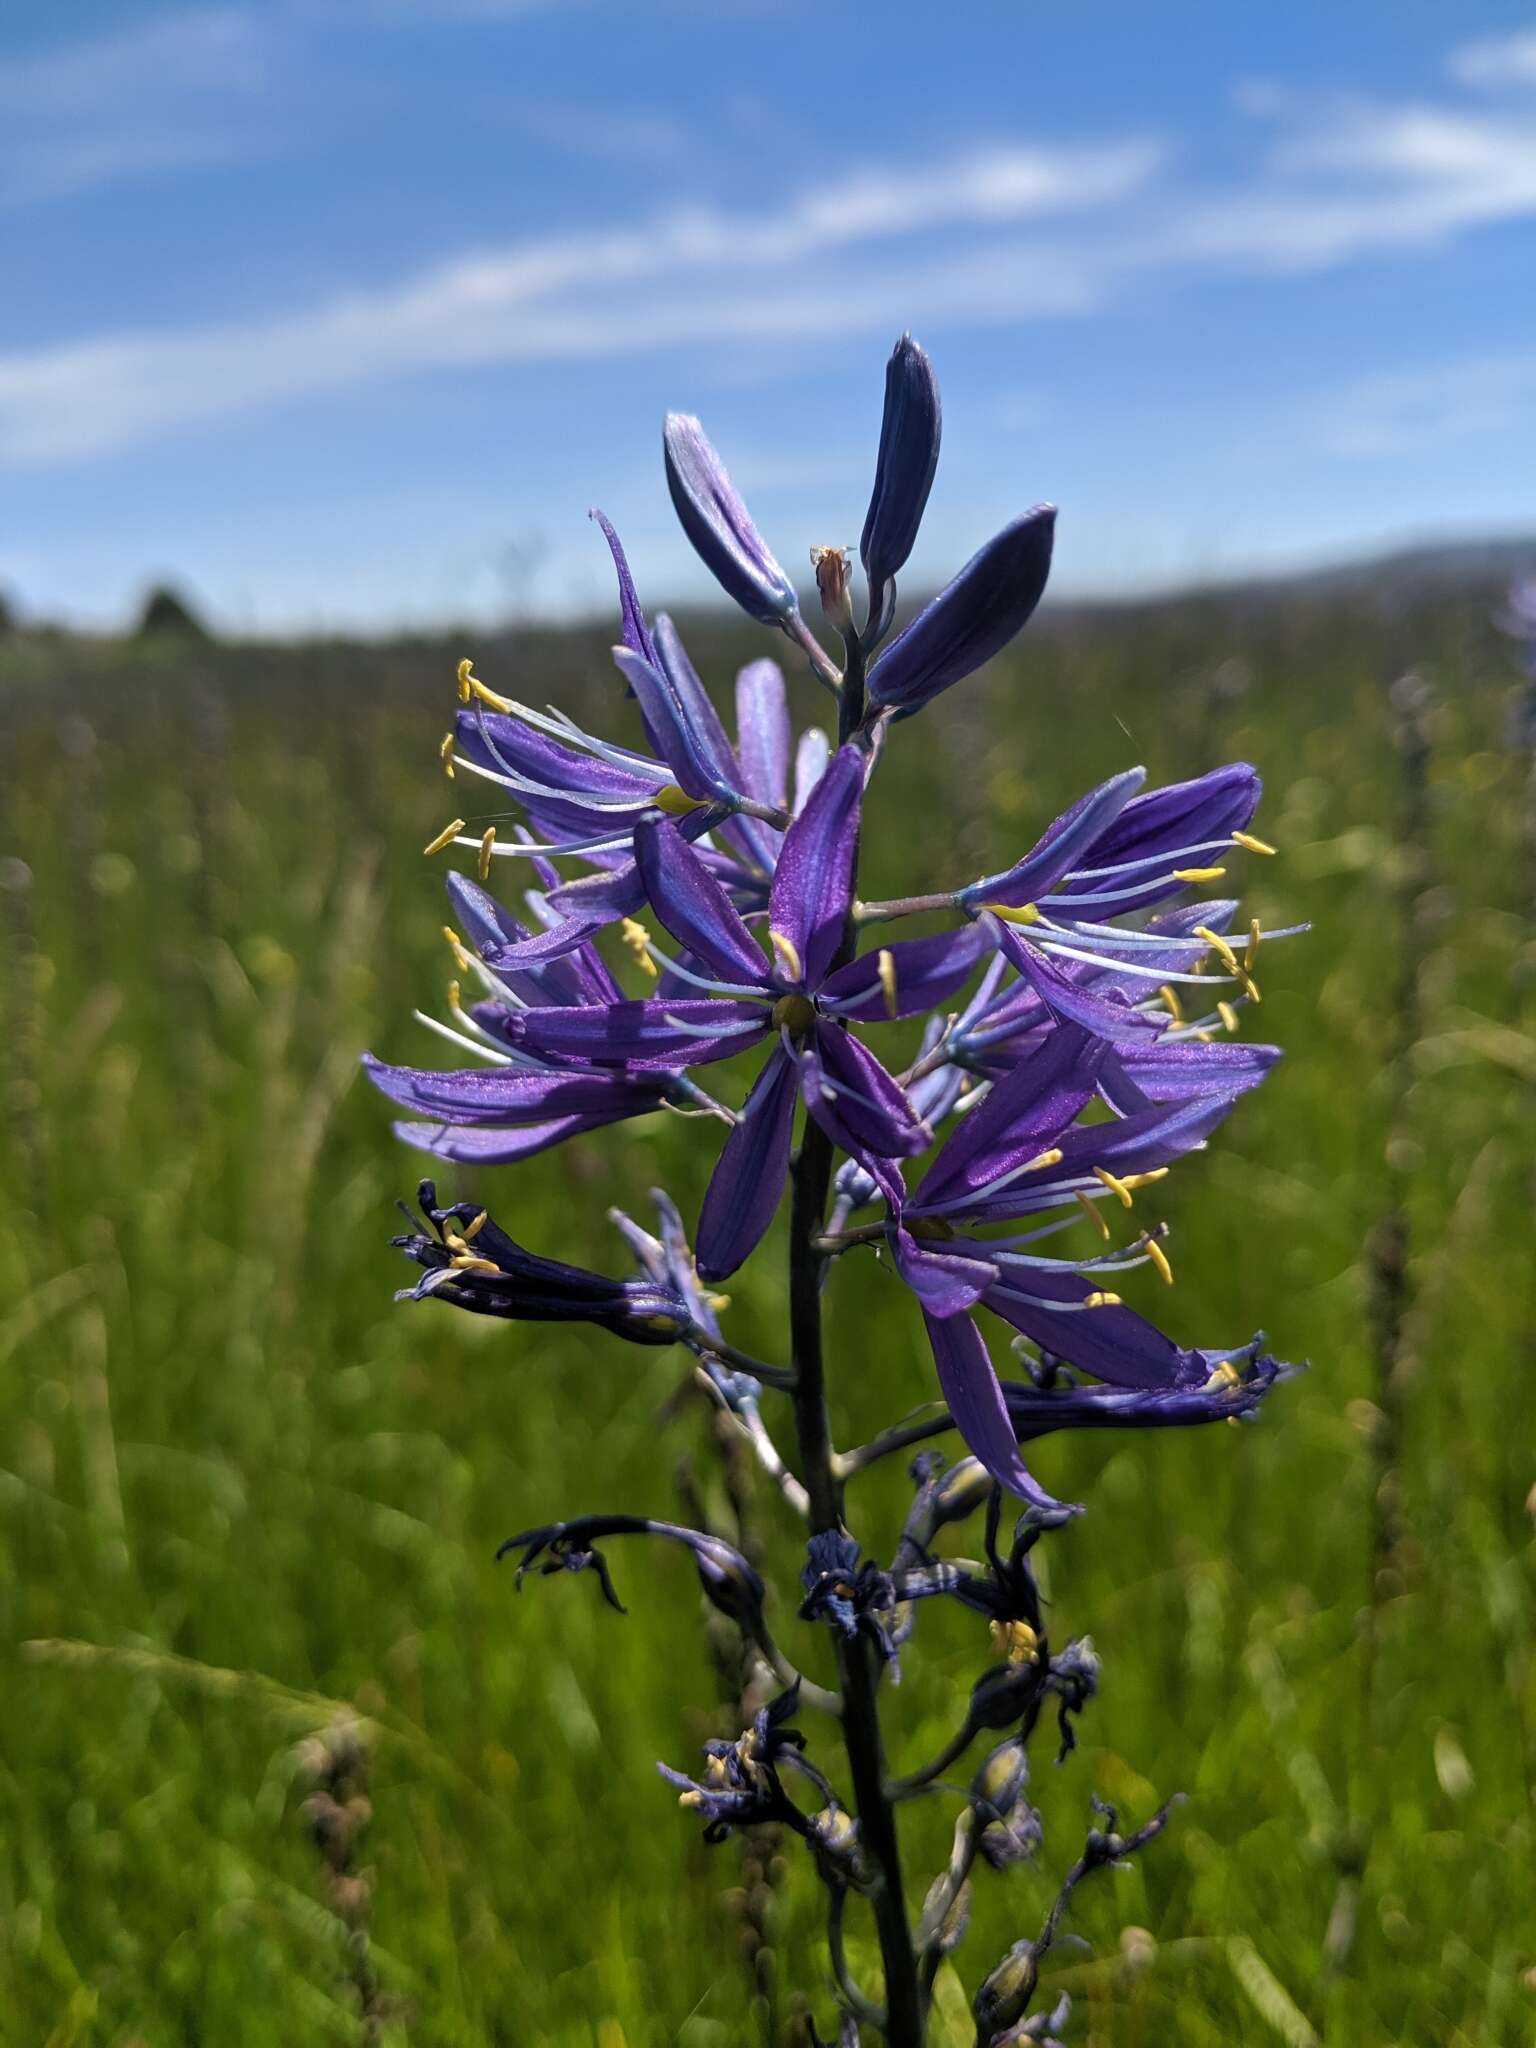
(690, 276)
(1497, 63)
(1433, 406)
(157, 96)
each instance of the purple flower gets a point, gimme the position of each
(970, 620)
(799, 998)
(720, 526)
(910, 430)
(1022, 1153)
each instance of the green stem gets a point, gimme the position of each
(857, 1666)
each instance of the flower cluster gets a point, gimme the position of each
(689, 897)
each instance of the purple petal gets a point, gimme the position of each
(763, 735)
(1161, 824)
(745, 1187)
(971, 619)
(924, 974)
(811, 758)
(813, 882)
(1135, 1079)
(1068, 999)
(970, 1386)
(637, 635)
(945, 1283)
(855, 1100)
(512, 1095)
(497, 1147)
(641, 1034)
(576, 977)
(693, 906)
(1135, 1144)
(1062, 846)
(1026, 1113)
(1035, 1413)
(1112, 1343)
(671, 718)
(720, 526)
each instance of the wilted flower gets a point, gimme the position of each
(740, 1784)
(728, 1581)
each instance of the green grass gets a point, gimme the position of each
(238, 1486)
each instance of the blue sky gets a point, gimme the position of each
(344, 311)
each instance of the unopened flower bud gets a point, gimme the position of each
(1004, 1996)
(1001, 1778)
(832, 568)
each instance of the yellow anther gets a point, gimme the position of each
(445, 754)
(456, 946)
(1198, 874)
(1050, 1157)
(1114, 1183)
(1227, 1015)
(718, 1302)
(466, 1262)
(1101, 1301)
(1206, 1037)
(444, 838)
(455, 994)
(486, 843)
(1218, 946)
(885, 967)
(677, 803)
(1253, 845)
(1170, 996)
(1091, 1211)
(1025, 913)
(1159, 1258)
(789, 955)
(1225, 1375)
(470, 685)
(473, 1228)
(638, 940)
(1145, 1180)
(1251, 950)
(1017, 1640)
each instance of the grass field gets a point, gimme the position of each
(240, 1489)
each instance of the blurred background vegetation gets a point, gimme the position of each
(241, 1493)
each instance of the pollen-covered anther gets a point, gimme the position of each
(473, 1228)
(1116, 1186)
(1225, 1375)
(470, 1262)
(1159, 1258)
(487, 843)
(637, 941)
(446, 837)
(456, 946)
(1170, 996)
(1251, 950)
(676, 801)
(885, 967)
(1227, 1015)
(1022, 913)
(465, 670)
(1090, 1210)
(1198, 874)
(1051, 1156)
(1101, 1300)
(1253, 845)
(794, 1014)
(788, 955)
(470, 686)
(445, 754)
(1145, 1180)
(1017, 1640)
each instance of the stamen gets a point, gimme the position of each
(444, 838)
(1145, 1180)
(1218, 946)
(1115, 1185)
(638, 941)
(473, 1229)
(1017, 1640)
(465, 668)
(1198, 874)
(466, 1262)
(1253, 845)
(1097, 1300)
(486, 843)
(470, 685)
(1225, 1375)
(676, 802)
(465, 959)
(1170, 996)
(885, 967)
(1251, 950)
(1159, 1258)
(1050, 1157)
(1227, 1015)
(789, 955)
(1026, 913)
(445, 755)
(1090, 1210)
